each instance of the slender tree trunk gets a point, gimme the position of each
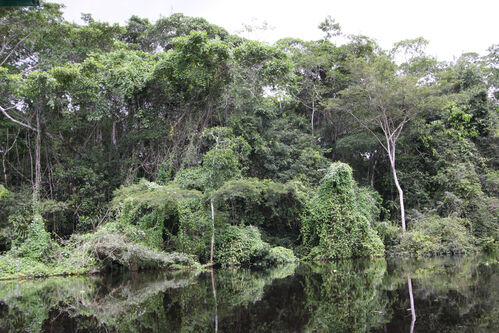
(212, 231)
(401, 196)
(113, 134)
(372, 173)
(4, 170)
(38, 168)
(313, 114)
(391, 155)
(112, 147)
(4, 154)
(28, 143)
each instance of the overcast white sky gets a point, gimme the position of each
(451, 26)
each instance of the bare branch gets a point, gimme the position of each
(14, 48)
(4, 111)
(367, 128)
(13, 143)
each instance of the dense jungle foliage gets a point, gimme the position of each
(128, 144)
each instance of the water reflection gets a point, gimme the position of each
(443, 294)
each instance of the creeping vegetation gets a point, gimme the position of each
(115, 250)
(4, 193)
(437, 236)
(168, 218)
(337, 227)
(243, 246)
(275, 208)
(163, 137)
(164, 217)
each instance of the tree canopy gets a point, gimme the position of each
(251, 128)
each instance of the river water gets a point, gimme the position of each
(447, 294)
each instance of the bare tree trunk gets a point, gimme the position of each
(4, 153)
(391, 155)
(113, 134)
(38, 168)
(28, 143)
(313, 114)
(401, 196)
(212, 231)
(4, 170)
(372, 173)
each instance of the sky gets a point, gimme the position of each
(452, 26)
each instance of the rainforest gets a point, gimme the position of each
(176, 147)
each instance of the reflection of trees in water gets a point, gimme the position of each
(411, 300)
(450, 294)
(100, 301)
(346, 296)
(140, 302)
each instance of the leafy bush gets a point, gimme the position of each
(274, 207)
(4, 193)
(389, 233)
(336, 227)
(107, 248)
(38, 245)
(369, 203)
(193, 178)
(436, 236)
(14, 267)
(281, 255)
(115, 249)
(489, 245)
(163, 217)
(243, 246)
(16, 214)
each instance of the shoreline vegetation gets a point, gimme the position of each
(127, 244)
(175, 145)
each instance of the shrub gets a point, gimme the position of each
(116, 250)
(489, 245)
(163, 217)
(336, 227)
(16, 215)
(274, 207)
(38, 245)
(389, 233)
(4, 193)
(281, 255)
(193, 178)
(436, 236)
(243, 246)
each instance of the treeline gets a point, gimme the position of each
(250, 129)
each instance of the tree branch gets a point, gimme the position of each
(14, 48)
(367, 128)
(4, 111)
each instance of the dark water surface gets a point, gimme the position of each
(450, 294)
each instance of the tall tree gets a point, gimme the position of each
(384, 97)
(221, 163)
